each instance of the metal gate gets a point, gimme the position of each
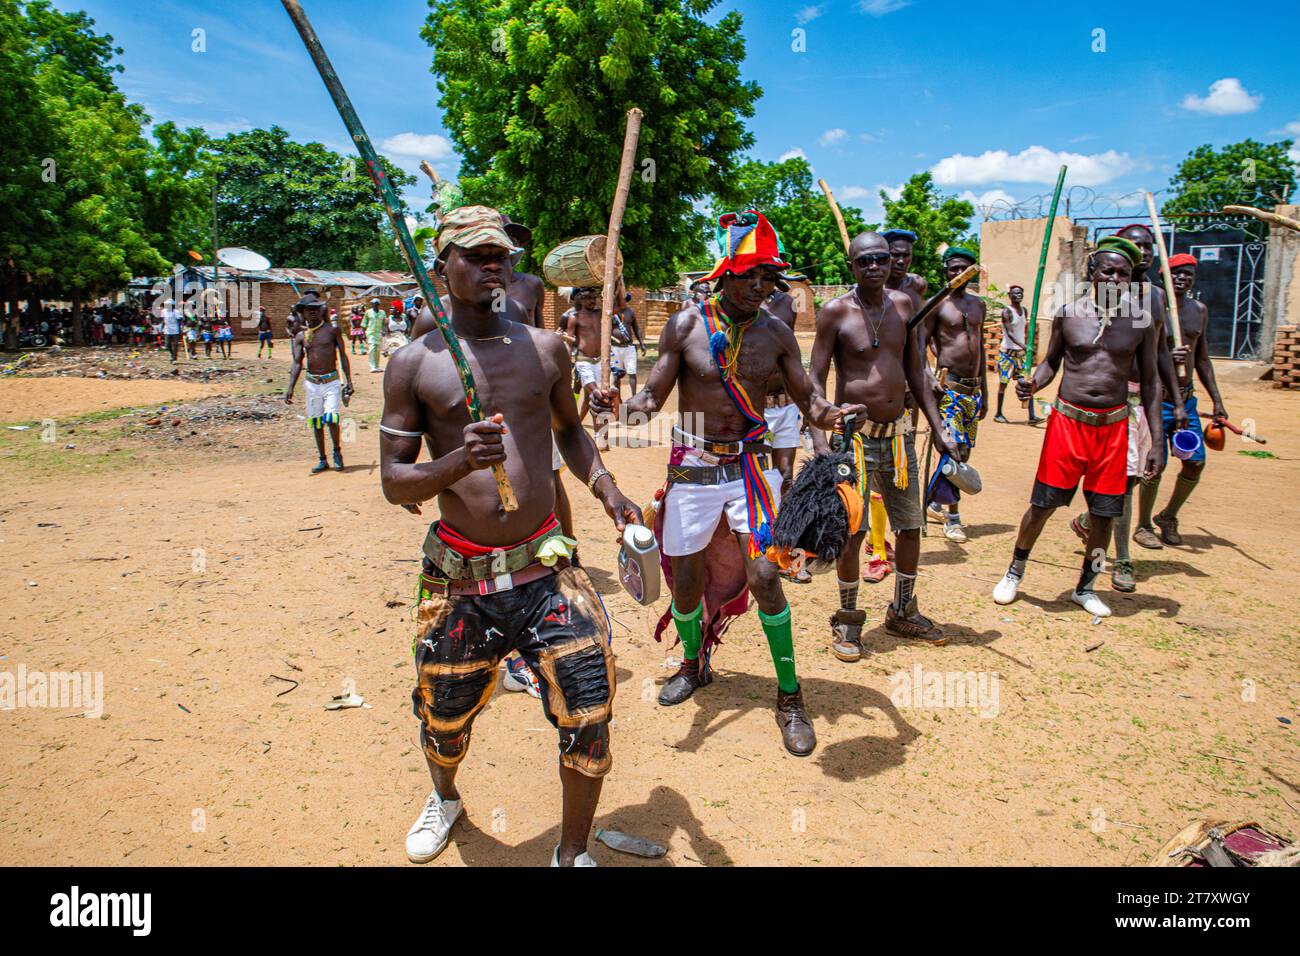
(1229, 278)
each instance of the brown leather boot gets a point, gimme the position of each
(914, 624)
(682, 684)
(796, 730)
(846, 631)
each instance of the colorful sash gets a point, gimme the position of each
(726, 350)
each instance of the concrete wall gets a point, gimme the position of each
(1281, 280)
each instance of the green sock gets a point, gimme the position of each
(1183, 488)
(688, 629)
(780, 641)
(1147, 491)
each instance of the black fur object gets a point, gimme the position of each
(812, 516)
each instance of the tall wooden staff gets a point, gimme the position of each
(630, 137)
(1175, 329)
(839, 216)
(1030, 336)
(393, 207)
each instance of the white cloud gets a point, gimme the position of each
(833, 136)
(428, 146)
(993, 197)
(878, 8)
(1227, 98)
(791, 154)
(1037, 164)
(809, 14)
(850, 193)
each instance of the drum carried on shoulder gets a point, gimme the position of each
(578, 263)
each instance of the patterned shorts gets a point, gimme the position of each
(1011, 365)
(961, 416)
(558, 626)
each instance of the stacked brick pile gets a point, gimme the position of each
(1286, 357)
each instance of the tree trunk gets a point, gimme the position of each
(78, 330)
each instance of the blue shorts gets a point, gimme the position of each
(1193, 424)
(263, 336)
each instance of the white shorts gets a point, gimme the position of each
(323, 400)
(557, 460)
(588, 372)
(622, 358)
(691, 512)
(783, 422)
(1139, 440)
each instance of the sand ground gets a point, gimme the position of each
(188, 556)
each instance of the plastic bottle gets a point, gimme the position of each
(638, 564)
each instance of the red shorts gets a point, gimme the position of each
(1096, 453)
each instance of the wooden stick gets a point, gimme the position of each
(932, 303)
(392, 206)
(1175, 329)
(839, 216)
(1030, 344)
(428, 171)
(1269, 217)
(630, 137)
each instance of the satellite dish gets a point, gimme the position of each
(245, 259)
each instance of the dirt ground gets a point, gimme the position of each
(188, 556)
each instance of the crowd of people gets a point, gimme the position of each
(502, 583)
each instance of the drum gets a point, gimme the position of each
(578, 262)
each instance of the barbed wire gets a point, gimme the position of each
(1082, 202)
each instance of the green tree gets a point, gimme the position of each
(177, 196)
(298, 204)
(535, 92)
(1248, 173)
(787, 195)
(935, 218)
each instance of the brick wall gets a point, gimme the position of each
(1286, 357)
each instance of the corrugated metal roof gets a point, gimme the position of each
(324, 277)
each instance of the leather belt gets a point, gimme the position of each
(1089, 417)
(719, 474)
(483, 566)
(874, 429)
(778, 399)
(430, 584)
(322, 379)
(718, 449)
(964, 386)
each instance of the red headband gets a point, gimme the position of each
(1182, 259)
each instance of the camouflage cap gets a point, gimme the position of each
(470, 226)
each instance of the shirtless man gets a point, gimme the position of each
(625, 339)
(956, 330)
(1011, 356)
(720, 356)
(265, 337)
(526, 290)
(877, 360)
(1099, 337)
(901, 242)
(322, 346)
(1151, 292)
(581, 331)
(782, 414)
(494, 580)
(1193, 320)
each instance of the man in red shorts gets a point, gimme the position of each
(1099, 337)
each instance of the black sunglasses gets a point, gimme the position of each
(870, 259)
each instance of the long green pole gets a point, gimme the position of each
(1038, 280)
(393, 207)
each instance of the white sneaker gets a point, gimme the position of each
(1004, 592)
(428, 835)
(954, 532)
(1089, 601)
(934, 511)
(582, 859)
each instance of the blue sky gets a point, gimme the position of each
(987, 95)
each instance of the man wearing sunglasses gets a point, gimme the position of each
(877, 358)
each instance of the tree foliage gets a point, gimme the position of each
(935, 218)
(1248, 173)
(787, 195)
(535, 92)
(299, 204)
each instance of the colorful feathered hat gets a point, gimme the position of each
(745, 240)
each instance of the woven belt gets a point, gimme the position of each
(778, 399)
(483, 566)
(873, 429)
(964, 386)
(430, 584)
(322, 379)
(1091, 417)
(718, 449)
(710, 474)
